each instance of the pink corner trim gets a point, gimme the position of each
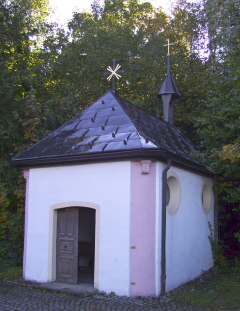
(142, 242)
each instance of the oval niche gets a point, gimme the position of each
(206, 198)
(173, 194)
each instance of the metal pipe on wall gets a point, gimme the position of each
(163, 246)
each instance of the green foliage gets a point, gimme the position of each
(220, 261)
(11, 233)
(21, 28)
(219, 126)
(49, 75)
(237, 235)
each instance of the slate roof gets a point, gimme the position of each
(111, 128)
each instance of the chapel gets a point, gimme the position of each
(116, 197)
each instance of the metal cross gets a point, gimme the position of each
(168, 45)
(114, 72)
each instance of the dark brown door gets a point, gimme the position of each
(67, 245)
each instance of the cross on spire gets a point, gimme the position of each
(113, 73)
(168, 45)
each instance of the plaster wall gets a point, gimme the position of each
(106, 187)
(188, 250)
(143, 228)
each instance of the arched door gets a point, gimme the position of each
(67, 245)
(75, 245)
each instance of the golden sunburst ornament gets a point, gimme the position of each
(113, 72)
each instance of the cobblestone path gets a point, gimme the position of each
(19, 297)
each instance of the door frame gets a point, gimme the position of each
(53, 237)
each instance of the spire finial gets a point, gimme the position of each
(168, 91)
(168, 45)
(114, 73)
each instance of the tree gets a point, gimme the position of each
(219, 125)
(21, 27)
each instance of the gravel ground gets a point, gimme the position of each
(26, 297)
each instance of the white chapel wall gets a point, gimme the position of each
(107, 185)
(188, 250)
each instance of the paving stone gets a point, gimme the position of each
(22, 297)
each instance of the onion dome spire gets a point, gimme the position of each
(168, 92)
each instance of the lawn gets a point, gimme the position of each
(214, 290)
(12, 273)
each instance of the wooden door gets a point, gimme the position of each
(67, 245)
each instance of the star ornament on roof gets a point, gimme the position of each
(114, 72)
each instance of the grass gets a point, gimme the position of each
(214, 290)
(11, 273)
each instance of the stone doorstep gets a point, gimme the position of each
(80, 288)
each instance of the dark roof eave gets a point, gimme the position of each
(156, 154)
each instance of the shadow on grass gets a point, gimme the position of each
(214, 290)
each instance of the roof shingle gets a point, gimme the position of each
(111, 124)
